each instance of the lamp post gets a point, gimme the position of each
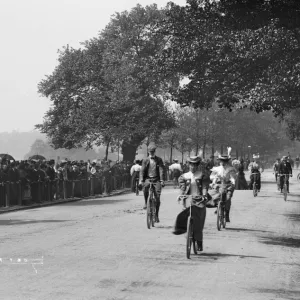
(249, 151)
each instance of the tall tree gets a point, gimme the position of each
(109, 88)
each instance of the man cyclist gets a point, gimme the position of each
(152, 169)
(276, 170)
(285, 168)
(254, 167)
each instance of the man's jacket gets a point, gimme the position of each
(285, 168)
(145, 168)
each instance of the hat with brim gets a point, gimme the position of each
(224, 158)
(152, 147)
(194, 159)
(285, 157)
(176, 160)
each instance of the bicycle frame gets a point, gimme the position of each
(284, 185)
(255, 175)
(151, 205)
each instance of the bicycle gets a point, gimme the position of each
(298, 177)
(137, 186)
(284, 185)
(190, 230)
(254, 184)
(221, 211)
(151, 206)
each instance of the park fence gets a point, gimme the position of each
(20, 193)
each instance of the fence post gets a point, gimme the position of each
(20, 194)
(73, 188)
(81, 189)
(7, 200)
(64, 189)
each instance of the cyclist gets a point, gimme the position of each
(276, 169)
(226, 173)
(285, 168)
(176, 170)
(254, 167)
(152, 168)
(191, 183)
(135, 174)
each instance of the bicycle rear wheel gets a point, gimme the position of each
(189, 238)
(137, 188)
(298, 177)
(219, 216)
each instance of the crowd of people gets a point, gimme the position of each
(49, 179)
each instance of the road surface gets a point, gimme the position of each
(102, 249)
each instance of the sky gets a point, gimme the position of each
(32, 32)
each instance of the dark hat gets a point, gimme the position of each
(194, 159)
(152, 147)
(224, 158)
(175, 159)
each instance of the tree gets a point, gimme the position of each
(240, 53)
(108, 91)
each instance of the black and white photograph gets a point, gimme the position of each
(150, 150)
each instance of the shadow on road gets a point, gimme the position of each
(221, 255)
(293, 217)
(285, 294)
(95, 202)
(281, 241)
(245, 229)
(24, 222)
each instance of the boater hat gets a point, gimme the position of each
(224, 158)
(152, 147)
(194, 159)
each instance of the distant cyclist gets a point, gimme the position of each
(135, 174)
(176, 170)
(297, 162)
(255, 167)
(285, 168)
(276, 170)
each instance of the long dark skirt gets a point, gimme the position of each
(199, 215)
(241, 182)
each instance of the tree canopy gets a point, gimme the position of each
(240, 52)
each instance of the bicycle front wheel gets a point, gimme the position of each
(223, 216)
(149, 213)
(254, 190)
(298, 177)
(137, 189)
(153, 211)
(219, 216)
(284, 192)
(189, 238)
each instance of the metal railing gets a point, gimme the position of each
(20, 193)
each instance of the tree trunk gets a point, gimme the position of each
(106, 150)
(171, 154)
(129, 148)
(204, 149)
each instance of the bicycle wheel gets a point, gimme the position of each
(284, 192)
(254, 189)
(149, 213)
(298, 177)
(189, 238)
(137, 188)
(219, 216)
(153, 210)
(223, 216)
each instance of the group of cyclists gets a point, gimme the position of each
(192, 185)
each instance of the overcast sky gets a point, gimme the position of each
(31, 32)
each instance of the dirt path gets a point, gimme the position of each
(101, 249)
